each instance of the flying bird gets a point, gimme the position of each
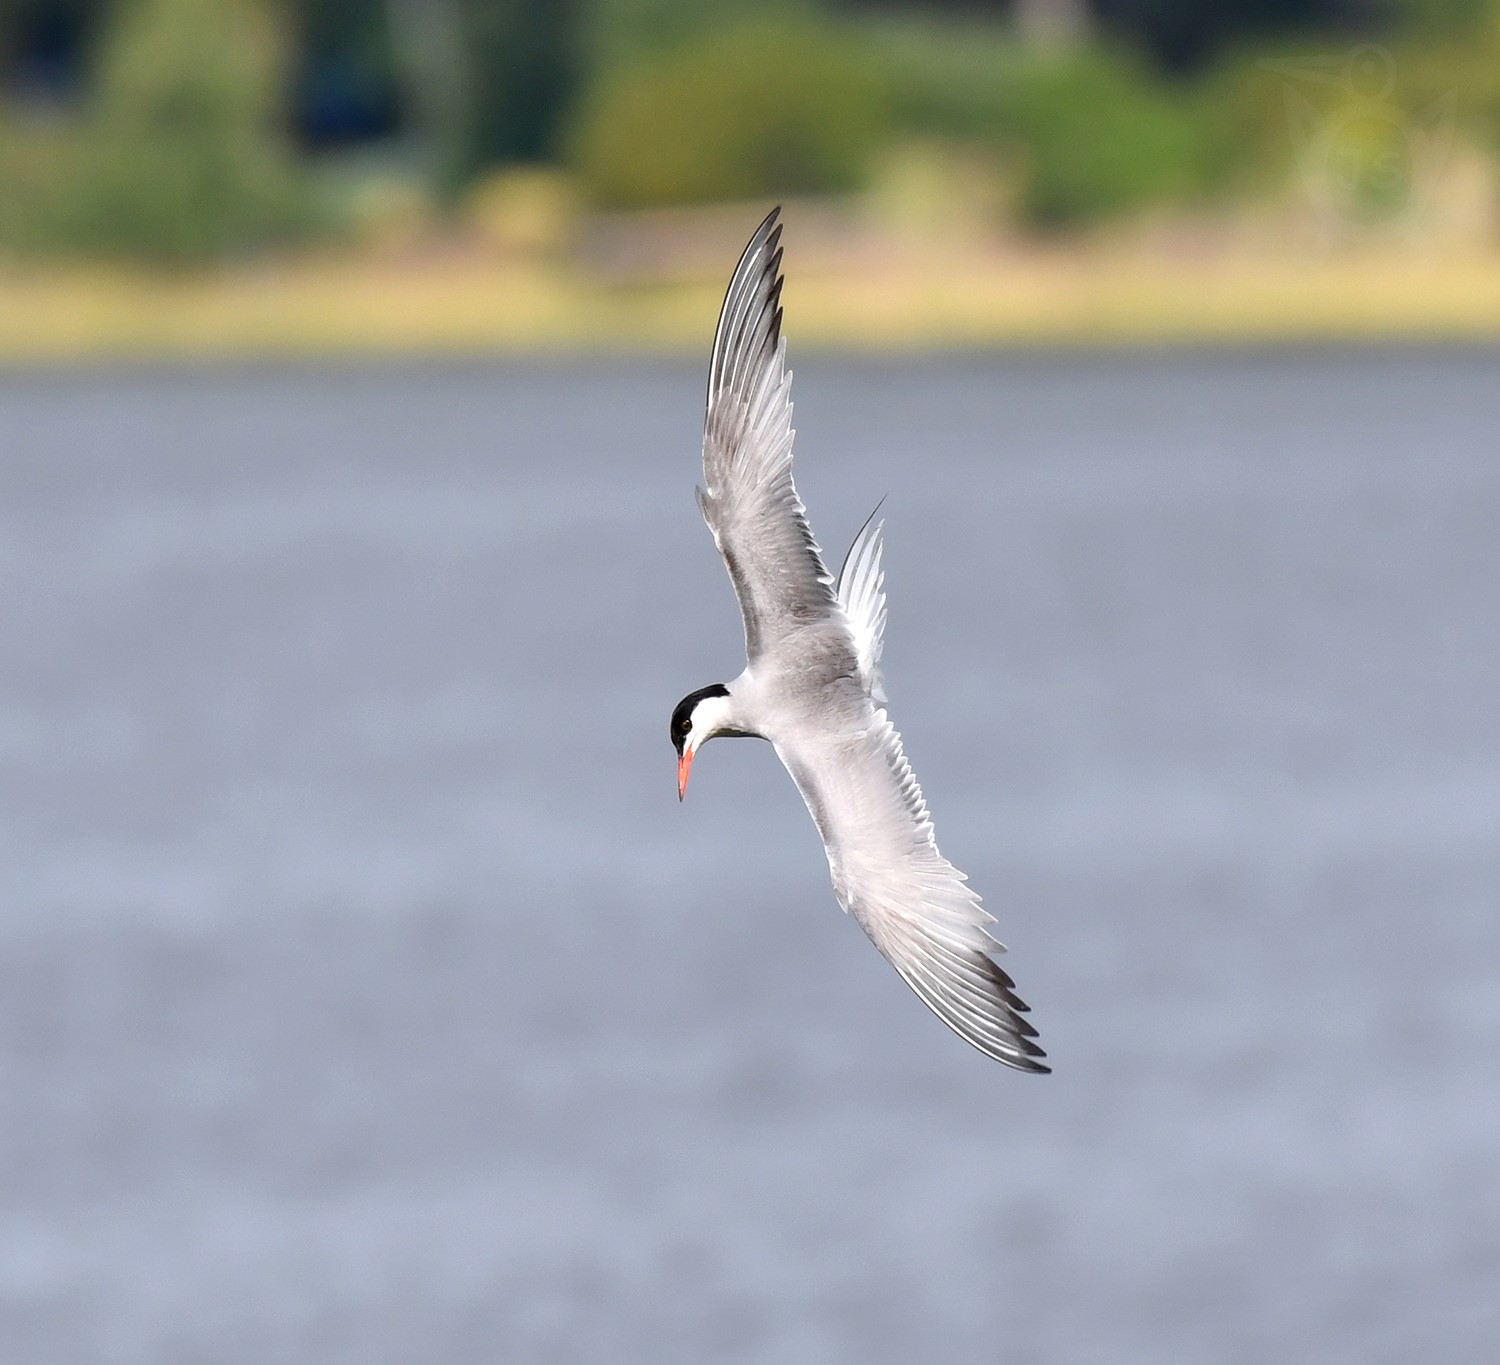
(812, 684)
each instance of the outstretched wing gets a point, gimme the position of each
(912, 902)
(750, 502)
(861, 593)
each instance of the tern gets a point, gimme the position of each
(812, 684)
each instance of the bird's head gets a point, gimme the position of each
(698, 718)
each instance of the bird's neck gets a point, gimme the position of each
(715, 715)
(734, 714)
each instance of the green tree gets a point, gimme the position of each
(523, 76)
(625, 32)
(759, 109)
(1444, 18)
(1087, 132)
(183, 156)
(1096, 137)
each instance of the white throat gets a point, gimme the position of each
(711, 716)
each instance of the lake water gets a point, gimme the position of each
(366, 996)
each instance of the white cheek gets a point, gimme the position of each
(711, 716)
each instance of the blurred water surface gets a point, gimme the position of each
(366, 996)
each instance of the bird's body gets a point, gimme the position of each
(812, 684)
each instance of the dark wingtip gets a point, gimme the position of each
(738, 314)
(1031, 1056)
(768, 235)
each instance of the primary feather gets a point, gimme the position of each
(748, 499)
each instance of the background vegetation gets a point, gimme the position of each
(170, 138)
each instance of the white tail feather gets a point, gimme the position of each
(862, 595)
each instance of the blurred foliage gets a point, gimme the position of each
(1089, 131)
(1187, 36)
(799, 106)
(183, 130)
(465, 83)
(1098, 137)
(345, 82)
(624, 32)
(945, 79)
(178, 157)
(523, 59)
(1444, 18)
(759, 109)
(1246, 147)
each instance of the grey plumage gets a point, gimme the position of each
(812, 684)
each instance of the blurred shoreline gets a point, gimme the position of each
(183, 178)
(640, 286)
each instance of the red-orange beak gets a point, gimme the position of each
(684, 766)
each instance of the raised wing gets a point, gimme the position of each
(912, 902)
(750, 502)
(861, 593)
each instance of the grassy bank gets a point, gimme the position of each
(461, 301)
